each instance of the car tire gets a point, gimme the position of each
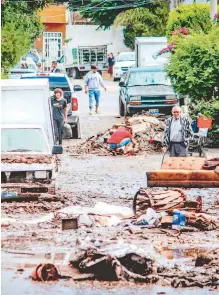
(121, 108)
(76, 131)
(182, 101)
(115, 79)
(75, 73)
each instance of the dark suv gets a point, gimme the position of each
(62, 81)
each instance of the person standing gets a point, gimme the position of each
(177, 134)
(54, 67)
(111, 62)
(59, 111)
(93, 81)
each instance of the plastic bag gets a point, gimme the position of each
(67, 131)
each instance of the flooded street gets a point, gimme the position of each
(32, 231)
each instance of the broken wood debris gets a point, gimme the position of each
(146, 129)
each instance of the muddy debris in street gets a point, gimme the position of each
(122, 261)
(147, 131)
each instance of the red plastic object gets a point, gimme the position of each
(205, 122)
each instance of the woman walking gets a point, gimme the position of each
(111, 62)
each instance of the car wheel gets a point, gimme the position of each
(76, 131)
(115, 79)
(121, 107)
(182, 101)
(75, 73)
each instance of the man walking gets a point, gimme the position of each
(177, 134)
(54, 67)
(93, 81)
(59, 108)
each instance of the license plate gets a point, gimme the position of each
(8, 194)
(153, 111)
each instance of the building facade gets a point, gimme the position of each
(50, 44)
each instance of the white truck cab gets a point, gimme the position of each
(124, 61)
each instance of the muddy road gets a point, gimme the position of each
(32, 234)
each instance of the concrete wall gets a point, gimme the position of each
(88, 35)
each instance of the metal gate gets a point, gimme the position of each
(52, 48)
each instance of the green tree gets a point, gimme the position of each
(143, 22)
(194, 66)
(20, 27)
(104, 12)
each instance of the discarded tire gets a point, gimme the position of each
(45, 272)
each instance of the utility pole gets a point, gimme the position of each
(213, 9)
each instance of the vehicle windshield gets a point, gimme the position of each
(54, 81)
(28, 66)
(148, 78)
(23, 140)
(127, 57)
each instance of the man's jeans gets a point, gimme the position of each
(58, 128)
(94, 93)
(124, 142)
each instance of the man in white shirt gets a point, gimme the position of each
(93, 81)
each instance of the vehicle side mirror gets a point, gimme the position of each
(121, 83)
(57, 149)
(77, 88)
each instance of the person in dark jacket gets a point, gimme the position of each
(54, 67)
(111, 62)
(177, 134)
(59, 112)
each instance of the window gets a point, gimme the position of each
(23, 139)
(147, 78)
(54, 82)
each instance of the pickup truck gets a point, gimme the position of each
(147, 89)
(28, 154)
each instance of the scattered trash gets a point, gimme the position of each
(166, 200)
(67, 131)
(179, 219)
(70, 223)
(27, 159)
(120, 261)
(45, 272)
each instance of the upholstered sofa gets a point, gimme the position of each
(183, 172)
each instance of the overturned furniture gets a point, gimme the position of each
(163, 200)
(183, 172)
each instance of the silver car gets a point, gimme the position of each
(17, 71)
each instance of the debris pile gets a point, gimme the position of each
(175, 205)
(26, 159)
(122, 261)
(146, 129)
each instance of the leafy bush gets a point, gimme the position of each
(194, 65)
(195, 17)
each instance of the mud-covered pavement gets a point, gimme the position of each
(85, 181)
